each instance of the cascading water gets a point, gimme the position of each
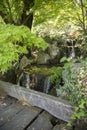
(24, 80)
(72, 52)
(38, 82)
(47, 85)
(42, 83)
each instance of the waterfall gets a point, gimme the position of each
(47, 85)
(41, 83)
(24, 80)
(72, 52)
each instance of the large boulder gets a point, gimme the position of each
(54, 51)
(43, 58)
(24, 62)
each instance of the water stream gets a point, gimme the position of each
(38, 82)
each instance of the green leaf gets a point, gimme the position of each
(68, 65)
(63, 59)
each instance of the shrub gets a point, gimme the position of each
(75, 87)
(13, 41)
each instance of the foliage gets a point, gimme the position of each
(45, 10)
(12, 10)
(81, 43)
(13, 42)
(56, 74)
(17, 11)
(48, 32)
(57, 20)
(57, 13)
(75, 87)
(61, 13)
(55, 16)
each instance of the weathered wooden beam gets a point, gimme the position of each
(55, 106)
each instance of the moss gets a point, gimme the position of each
(37, 70)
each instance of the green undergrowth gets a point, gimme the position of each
(75, 87)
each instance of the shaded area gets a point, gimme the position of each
(18, 116)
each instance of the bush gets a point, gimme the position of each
(56, 74)
(75, 87)
(13, 41)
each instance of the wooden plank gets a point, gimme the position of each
(6, 102)
(41, 123)
(22, 119)
(7, 114)
(2, 93)
(55, 106)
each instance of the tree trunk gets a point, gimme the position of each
(27, 19)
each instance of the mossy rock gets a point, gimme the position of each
(39, 70)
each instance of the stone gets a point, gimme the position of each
(53, 51)
(24, 62)
(43, 58)
(59, 108)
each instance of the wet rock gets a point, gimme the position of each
(9, 76)
(24, 80)
(24, 62)
(40, 83)
(57, 107)
(43, 58)
(61, 93)
(54, 51)
(39, 70)
(74, 68)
